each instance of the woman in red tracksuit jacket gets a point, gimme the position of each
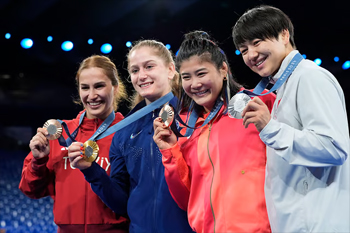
(47, 170)
(217, 173)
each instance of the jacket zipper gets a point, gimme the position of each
(212, 179)
(155, 188)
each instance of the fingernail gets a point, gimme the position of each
(81, 144)
(81, 153)
(81, 148)
(81, 156)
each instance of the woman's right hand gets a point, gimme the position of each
(39, 145)
(163, 136)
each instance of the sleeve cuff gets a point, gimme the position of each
(167, 153)
(269, 130)
(92, 173)
(38, 164)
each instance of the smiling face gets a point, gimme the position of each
(264, 57)
(150, 75)
(202, 81)
(96, 93)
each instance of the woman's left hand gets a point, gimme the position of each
(75, 155)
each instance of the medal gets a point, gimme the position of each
(90, 151)
(167, 114)
(237, 104)
(54, 128)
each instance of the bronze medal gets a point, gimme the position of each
(54, 128)
(167, 114)
(90, 152)
(237, 104)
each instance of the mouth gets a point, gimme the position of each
(200, 93)
(95, 104)
(261, 61)
(145, 85)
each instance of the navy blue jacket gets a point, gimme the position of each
(137, 184)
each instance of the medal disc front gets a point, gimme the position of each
(90, 152)
(54, 128)
(237, 104)
(167, 114)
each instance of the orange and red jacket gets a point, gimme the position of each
(218, 175)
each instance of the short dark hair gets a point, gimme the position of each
(199, 43)
(262, 22)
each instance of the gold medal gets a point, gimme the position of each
(54, 128)
(90, 152)
(167, 114)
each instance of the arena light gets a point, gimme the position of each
(7, 35)
(90, 41)
(346, 65)
(318, 61)
(49, 38)
(336, 59)
(128, 44)
(304, 56)
(168, 46)
(106, 48)
(67, 46)
(26, 43)
(237, 52)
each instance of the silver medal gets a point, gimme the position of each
(237, 104)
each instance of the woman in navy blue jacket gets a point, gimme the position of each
(137, 185)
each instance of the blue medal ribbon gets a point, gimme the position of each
(285, 75)
(104, 130)
(194, 115)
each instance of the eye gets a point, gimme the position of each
(84, 87)
(185, 77)
(243, 51)
(99, 86)
(201, 74)
(256, 42)
(148, 67)
(133, 71)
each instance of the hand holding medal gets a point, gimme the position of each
(81, 155)
(163, 135)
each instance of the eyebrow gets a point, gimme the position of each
(98, 83)
(145, 62)
(199, 70)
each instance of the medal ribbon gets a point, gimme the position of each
(285, 75)
(193, 119)
(104, 131)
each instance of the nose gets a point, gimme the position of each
(142, 74)
(252, 53)
(196, 83)
(92, 93)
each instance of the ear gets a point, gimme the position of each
(224, 70)
(171, 70)
(285, 36)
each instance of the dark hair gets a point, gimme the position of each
(262, 22)
(199, 43)
(109, 70)
(161, 51)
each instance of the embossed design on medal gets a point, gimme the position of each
(90, 151)
(167, 114)
(54, 128)
(237, 104)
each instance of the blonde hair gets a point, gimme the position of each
(109, 70)
(161, 51)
